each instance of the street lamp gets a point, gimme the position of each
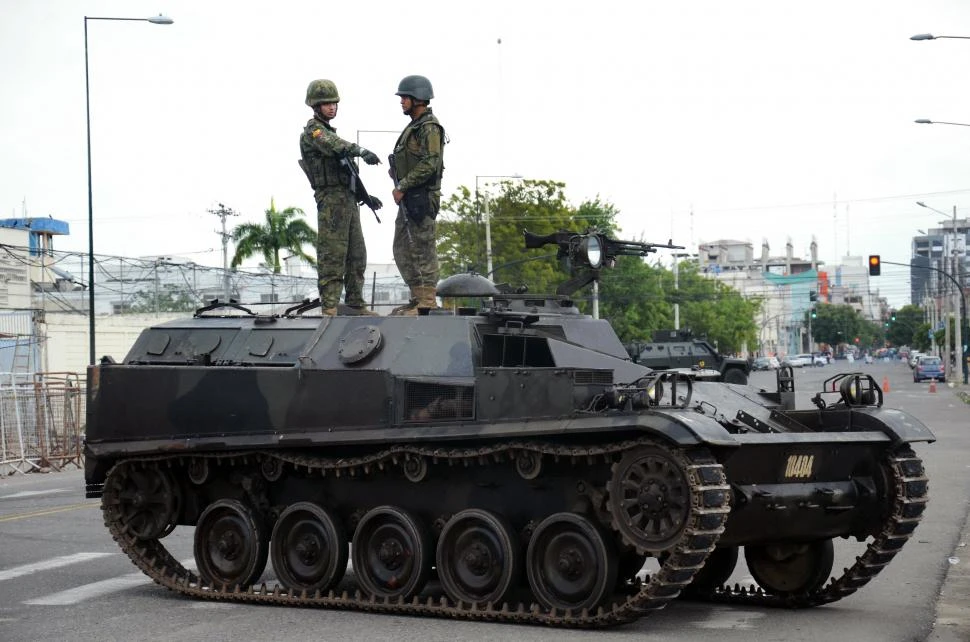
(488, 220)
(157, 20)
(927, 121)
(929, 36)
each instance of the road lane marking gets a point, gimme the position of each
(47, 511)
(96, 589)
(46, 565)
(34, 493)
(88, 591)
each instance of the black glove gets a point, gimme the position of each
(375, 203)
(369, 157)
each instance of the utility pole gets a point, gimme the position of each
(223, 212)
(957, 333)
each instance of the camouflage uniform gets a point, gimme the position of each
(418, 164)
(341, 253)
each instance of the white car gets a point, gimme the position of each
(797, 360)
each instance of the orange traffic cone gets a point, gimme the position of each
(932, 385)
(885, 384)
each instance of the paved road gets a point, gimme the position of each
(61, 576)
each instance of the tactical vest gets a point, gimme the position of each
(322, 170)
(407, 148)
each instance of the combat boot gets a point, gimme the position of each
(329, 312)
(409, 309)
(426, 296)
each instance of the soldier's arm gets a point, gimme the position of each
(429, 163)
(332, 145)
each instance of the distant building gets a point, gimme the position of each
(784, 283)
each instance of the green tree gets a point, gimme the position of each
(165, 298)
(538, 206)
(281, 231)
(634, 296)
(905, 329)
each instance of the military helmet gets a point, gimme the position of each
(415, 86)
(321, 91)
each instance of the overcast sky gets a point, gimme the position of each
(770, 120)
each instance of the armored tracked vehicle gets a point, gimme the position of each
(680, 349)
(506, 462)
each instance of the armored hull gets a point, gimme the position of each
(508, 464)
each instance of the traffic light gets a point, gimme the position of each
(874, 265)
(813, 295)
(814, 314)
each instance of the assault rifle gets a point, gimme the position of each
(585, 254)
(357, 187)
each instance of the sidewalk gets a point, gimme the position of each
(953, 610)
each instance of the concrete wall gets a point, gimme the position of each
(67, 337)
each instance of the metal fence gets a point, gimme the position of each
(40, 421)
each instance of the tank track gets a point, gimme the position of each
(910, 486)
(710, 497)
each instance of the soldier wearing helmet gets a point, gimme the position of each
(417, 166)
(341, 253)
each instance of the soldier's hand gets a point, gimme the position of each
(369, 157)
(375, 203)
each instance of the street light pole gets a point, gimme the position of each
(927, 121)
(488, 220)
(158, 20)
(929, 36)
(960, 314)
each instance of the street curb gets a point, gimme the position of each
(952, 623)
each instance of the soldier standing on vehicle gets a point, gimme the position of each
(341, 253)
(416, 168)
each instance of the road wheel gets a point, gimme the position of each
(392, 553)
(479, 558)
(570, 564)
(231, 546)
(308, 548)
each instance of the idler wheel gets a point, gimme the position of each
(790, 569)
(144, 501)
(308, 548)
(230, 544)
(570, 564)
(479, 558)
(649, 499)
(392, 553)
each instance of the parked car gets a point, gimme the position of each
(928, 367)
(812, 359)
(914, 357)
(765, 363)
(797, 360)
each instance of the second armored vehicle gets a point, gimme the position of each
(680, 349)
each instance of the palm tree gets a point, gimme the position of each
(282, 231)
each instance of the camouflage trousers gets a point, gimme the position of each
(415, 252)
(341, 253)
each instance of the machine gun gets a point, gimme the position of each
(584, 254)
